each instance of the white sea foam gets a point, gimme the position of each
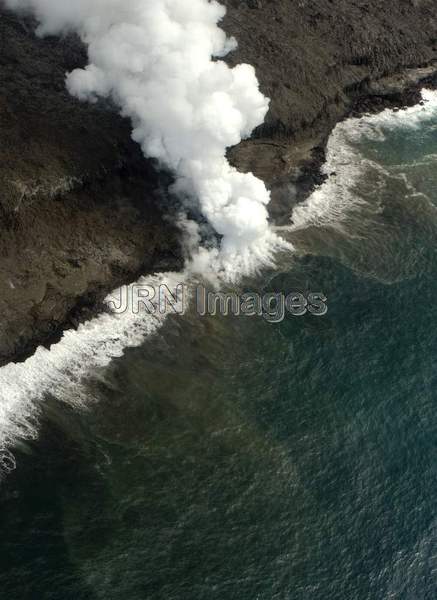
(62, 370)
(332, 201)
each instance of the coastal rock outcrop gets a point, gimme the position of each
(320, 61)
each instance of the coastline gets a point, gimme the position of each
(301, 159)
(309, 176)
(290, 164)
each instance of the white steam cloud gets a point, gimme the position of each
(155, 59)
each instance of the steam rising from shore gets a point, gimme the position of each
(154, 58)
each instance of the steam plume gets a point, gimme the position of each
(154, 58)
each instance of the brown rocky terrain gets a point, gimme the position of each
(82, 211)
(79, 206)
(319, 61)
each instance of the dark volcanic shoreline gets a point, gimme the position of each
(82, 211)
(321, 62)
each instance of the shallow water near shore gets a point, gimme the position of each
(232, 458)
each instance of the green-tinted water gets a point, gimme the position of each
(231, 458)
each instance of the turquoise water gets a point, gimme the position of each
(231, 458)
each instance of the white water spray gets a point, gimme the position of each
(63, 370)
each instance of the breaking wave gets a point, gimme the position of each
(62, 370)
(345, 166)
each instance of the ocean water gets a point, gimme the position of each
(231, 458)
